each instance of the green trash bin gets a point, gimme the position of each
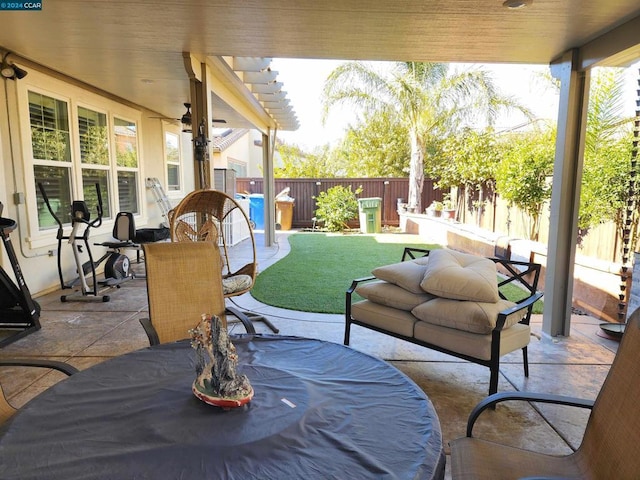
(370, 210)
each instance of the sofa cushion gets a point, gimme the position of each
(386, 318)
(460, 276)
(474, 317)
(407, 275)
(472, 344)
(385, 293)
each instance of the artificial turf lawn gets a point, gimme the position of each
(314, 276)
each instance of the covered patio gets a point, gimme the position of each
(84, 334)
(146, 60)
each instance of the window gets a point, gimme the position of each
(75, 157)
(238, 166)
(51, 146)
(172, 158)
(57, 185)
(126, 141)
(128, 191)
(94, 157)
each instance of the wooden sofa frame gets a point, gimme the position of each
(523, 274)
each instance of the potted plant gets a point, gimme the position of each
(448, 207)
(436, 208)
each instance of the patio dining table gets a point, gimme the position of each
(320, 410)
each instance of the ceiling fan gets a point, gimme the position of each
(186, 118)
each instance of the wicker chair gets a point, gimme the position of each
(609, 447)
(208, 216)
(183, 282)
(6, 409)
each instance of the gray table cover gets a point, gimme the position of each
(320, 410)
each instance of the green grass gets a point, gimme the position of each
(314, 276)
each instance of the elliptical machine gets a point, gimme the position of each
(116, 269)
(19, 313)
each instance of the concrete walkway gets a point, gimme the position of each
(84, 334)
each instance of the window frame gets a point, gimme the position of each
(176, 131)
(75, 97)
(137, 170)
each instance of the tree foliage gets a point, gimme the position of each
(428, 99)
(377, 147)
(336, 206)
(605, 179)
(522, 174)
(299, 164)
(469, 159)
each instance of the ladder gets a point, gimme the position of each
(161, 198)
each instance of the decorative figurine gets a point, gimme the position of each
(217, 382)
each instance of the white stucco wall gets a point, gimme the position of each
(37, 249)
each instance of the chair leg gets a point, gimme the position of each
(150, 331)
(250, 317)
(525, 361)
(347, 332)
(254, 317)
(243, 317)
(493, 382)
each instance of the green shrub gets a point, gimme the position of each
(337, 206)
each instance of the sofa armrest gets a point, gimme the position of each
(409, 253)
(492, 400)
(527, 303)
(356, 282)
(349, 293)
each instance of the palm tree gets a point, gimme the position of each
(429, 99)
(606, 192)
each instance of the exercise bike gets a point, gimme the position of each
(116, 268)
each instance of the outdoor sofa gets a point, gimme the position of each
(451, 302)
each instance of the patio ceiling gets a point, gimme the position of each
(134, 49)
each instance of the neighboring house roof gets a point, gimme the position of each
(227, 138)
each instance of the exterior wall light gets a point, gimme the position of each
(11, 71)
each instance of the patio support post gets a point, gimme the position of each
(565, 196)
(200, 100)
(269, 190)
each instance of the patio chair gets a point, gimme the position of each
(609, 447)
(183, 282)
(213, 216)
(6, 409)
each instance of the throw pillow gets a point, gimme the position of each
(460, 276)
(474, 317)
(407, 275)
(391, 295)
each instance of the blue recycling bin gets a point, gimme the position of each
(256, 210)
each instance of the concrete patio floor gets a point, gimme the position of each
(84, 334)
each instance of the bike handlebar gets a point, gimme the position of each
(95, 223)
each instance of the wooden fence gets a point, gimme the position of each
(602, 242)
(304, 190)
